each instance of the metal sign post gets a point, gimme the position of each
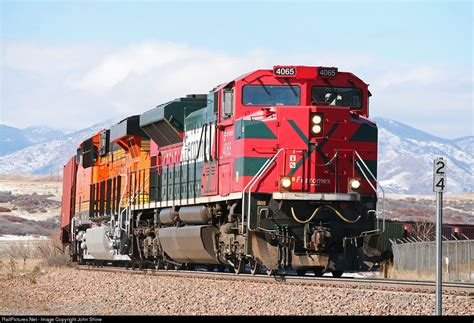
(439, 186)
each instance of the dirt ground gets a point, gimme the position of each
(69, 291)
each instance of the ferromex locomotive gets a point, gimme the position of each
(273, 170)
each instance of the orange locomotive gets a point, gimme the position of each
(274, 169)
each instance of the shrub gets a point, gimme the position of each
(53, 252)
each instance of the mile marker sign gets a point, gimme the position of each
(439, 175)
(439, 186)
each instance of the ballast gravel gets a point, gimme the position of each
(68, 291)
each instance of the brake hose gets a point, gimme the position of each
(316, 211)
(342, 216)
(306, 221)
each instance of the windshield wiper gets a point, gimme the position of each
(291, 86)
(264, 87)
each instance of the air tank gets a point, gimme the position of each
(197, 214)
(167, 216)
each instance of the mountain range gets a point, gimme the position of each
(405, 163)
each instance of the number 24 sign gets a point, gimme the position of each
(439, 175)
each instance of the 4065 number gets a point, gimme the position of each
(327, 71)
(284, 71)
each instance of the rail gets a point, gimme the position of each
(251, 184)
(369, 283)
(374, 188)
(140, 192)
(120, 201)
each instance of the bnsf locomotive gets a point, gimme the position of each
(274, 170)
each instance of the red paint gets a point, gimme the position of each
(68, 197)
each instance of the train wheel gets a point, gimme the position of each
(271, 272)
(158, 264)
(254, 267)
(318, 272)
(210, 268)
(337, 273)
(239, 266)
(301, 272)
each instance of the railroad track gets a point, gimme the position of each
(364, 283)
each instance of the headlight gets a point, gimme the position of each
(316, 124)
(285, 182)
(316, 129)
(355, 184)
(317, 119)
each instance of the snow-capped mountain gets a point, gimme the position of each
(465, 143)
(13, 139)
(36, 135)
(405, 161)
(49, 153)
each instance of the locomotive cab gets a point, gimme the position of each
(319, 191)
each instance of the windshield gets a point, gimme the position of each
(271, 95)
(337, 96)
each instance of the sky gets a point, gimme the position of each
(70, 64)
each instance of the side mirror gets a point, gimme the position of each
(228, 109)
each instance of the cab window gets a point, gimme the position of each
(337, 96)
(271, 95)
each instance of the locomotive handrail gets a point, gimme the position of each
(131, 198)
(252, 183)
(120, 201)
(375, 190)
(141, 185)
(243, 193)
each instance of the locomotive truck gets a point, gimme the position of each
(274, 170)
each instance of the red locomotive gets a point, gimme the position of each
(274, 169)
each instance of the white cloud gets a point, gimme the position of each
(74, 86)
(47, 60)
(416, 74)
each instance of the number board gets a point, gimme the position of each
(327, 71)
(439, 175)
(285, 71)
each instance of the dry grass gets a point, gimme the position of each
(12, 267)
(464, 268)
(29, 260)
(31, 178)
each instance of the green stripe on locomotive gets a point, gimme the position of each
(248, 166)
(366, 132)
(252, 129)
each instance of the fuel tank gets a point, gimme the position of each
(190, 244)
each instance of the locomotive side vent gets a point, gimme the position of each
(165, 122)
